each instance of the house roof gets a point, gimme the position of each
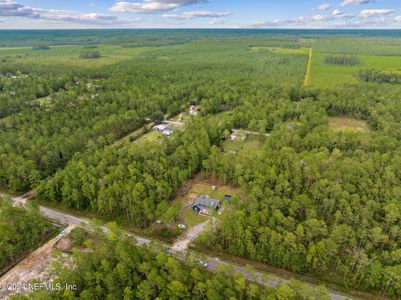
(159, 127)
(207, 202)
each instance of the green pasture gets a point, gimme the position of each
(326, 75)
(69, 55)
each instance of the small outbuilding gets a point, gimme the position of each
(238, 136)
(227, 197)
(168, 131)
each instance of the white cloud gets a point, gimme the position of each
(277, 22)
(217, 22)
(339, 14)
(13, 9)
(151, 6)
(346, 3)
(197, 14)
(92, 18)
(10, 8)
(397, 19)
(319, 18)
(325, 6)
(375, 12)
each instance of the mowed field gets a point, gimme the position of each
(346, 123)
(69, 55)
(328, 75)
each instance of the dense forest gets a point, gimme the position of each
(135, 181)
(20, 230)
(379, 77)
(100, 106)
(114, 267)
(319, 200)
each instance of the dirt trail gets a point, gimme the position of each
(308, 69)
(30, 268)
(192, 233)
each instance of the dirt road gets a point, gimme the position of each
(27, 270)
(191, 234)
(15, 280)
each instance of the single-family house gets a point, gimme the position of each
(160, 128)
(238, 136)
(205, 205)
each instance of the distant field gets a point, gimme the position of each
(283, 50)
(347, 123)
(69, 55)
(358, 46)
(328, 75)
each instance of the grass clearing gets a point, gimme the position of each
(195, 188)
(279, 50)
(69, 55)
(329, 75)
(347, 123)
(252, 145)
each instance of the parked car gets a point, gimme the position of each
(182, 226)
(202, 263)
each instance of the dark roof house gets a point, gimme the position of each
(205, 203)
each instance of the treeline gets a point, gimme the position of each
(342, 60)
(115, 268)
(135, 181)
(40, 47)
(318, 201)
(379, 76)
(21, 229)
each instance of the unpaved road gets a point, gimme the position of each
(41, 253)
(29, 268)
(191, 234)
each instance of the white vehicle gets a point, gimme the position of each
(182, 226)
(202, 263)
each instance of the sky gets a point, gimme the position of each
(315, 14)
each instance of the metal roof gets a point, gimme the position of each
(206, 201)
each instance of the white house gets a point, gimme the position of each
(160, 128)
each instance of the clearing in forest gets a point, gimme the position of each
(347, 123)
(251, 145)
(69, 55)
(330, 75)
(195, 188)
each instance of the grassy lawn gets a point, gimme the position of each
(191, 218)
(326, 75)
(283, 50)
(347, 123)
(251, 145)
(5, 192)
(69, 55)
(150, 137)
